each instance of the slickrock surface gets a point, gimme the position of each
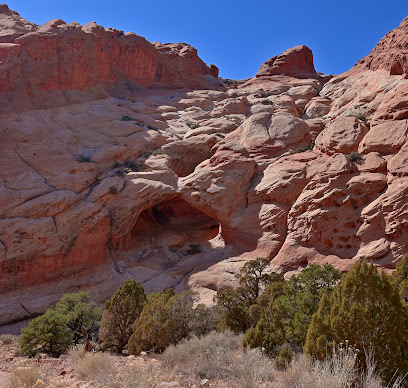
(120, 158)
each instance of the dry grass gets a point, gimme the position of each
(102, 370)
(218, 356)
(8, 339)
(77, 352)
(138, 376)
(252, 369)
(338, 371)
(95, 366)
(26, 377)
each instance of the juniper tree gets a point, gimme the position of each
(365, 308)
(121, 311)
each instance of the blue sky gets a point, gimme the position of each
(238, 36)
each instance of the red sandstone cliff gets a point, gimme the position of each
(196, 181)
(59, 56)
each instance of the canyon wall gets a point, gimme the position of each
(125, 159)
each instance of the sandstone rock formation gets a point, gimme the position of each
(120, 158)
(391, 53)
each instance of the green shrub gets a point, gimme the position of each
(288, 308)
(235, 305)
(48, 334)
(194, 248)
(400, 278)
(83, 159)
(230, 83)
(129, 166)
(166, 320)
(284, 357)
(82, 315)
(127, 118)
(359, 116)
(309, 147)
(355, 156)
(193, 125)
(366, 309)
(121, 311)
(204, 320)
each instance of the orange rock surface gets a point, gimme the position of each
(125, 159)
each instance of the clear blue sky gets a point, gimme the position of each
(238, 36)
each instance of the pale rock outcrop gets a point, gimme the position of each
(385, 138)
(218, 185)
(317, 107)
(281, 182)
(398, 164)
(389, 53)
(186, 154)
(343, 134)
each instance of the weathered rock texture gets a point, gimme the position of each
(113, 164)
(391, 53)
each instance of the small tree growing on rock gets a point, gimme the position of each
(121, 311)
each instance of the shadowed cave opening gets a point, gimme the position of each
(172, 224)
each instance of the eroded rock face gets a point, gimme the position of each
(343, 134)
(296, 62)
(103, 179)
(60, 56)
(390, 53)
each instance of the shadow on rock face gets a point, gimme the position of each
(172, 224)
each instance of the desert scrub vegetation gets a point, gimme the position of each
(263, 325)
(218, 355)
(356, 157)
(8, 339)
(193, 249)
(231, 83)
(102, 370)
(127, 118)
(95, 366)
(83, 158)
(27, 377)
(74, 320)
(193, 125)
(360, 116)
(129, 166)
(366, 308)
(169, 318)
(340, 370)
(121, 311)
(309, 147)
